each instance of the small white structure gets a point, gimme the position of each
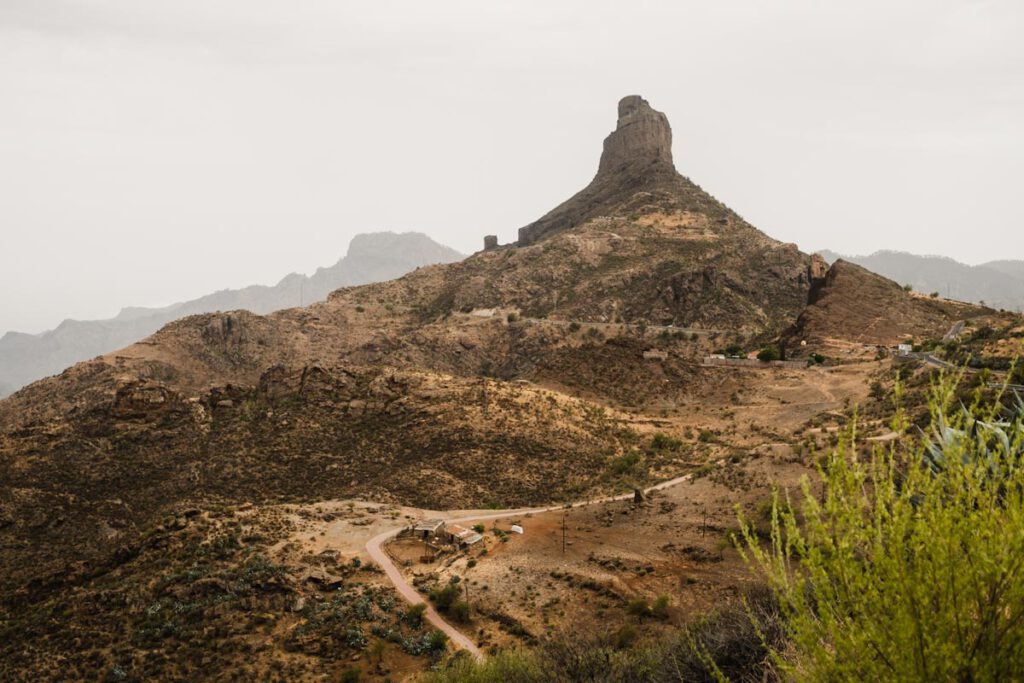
(483, 312)
(905, 349)
(516, 529)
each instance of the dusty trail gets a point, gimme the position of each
(374, 547)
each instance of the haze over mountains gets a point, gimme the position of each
(371, 257)
(999, 284)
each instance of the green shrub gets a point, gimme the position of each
(730, 644)
(734, 351)
(664, 442)
(574, 326)
(1017, 373)
(639, 608)
(906, 563)
(445, 597)
(459, 611)
(437, 640)
(514, 666)
(768, 354)
(659, 608)
(625, 636)
(414, 615)
(627, 463)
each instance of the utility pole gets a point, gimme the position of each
(465, 584)
(563, 532)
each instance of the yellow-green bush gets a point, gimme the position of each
(906, 563)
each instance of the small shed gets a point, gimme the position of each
(461, 536)
(426, 528)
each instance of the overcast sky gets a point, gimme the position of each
(156, 150)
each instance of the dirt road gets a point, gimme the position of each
(375, 548)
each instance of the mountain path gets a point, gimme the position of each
(375, 549)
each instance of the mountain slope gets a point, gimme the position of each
(370, 258)
(853, 303)
(640, 242)
(999, 283)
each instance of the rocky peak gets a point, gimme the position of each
(642, 137)
(637, 156)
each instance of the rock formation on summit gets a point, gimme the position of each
(637, 155)
(642, 138)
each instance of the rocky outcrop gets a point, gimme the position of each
(642, 137)
(636, 162)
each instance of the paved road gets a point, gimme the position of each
(375, 548)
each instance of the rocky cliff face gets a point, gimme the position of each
(642, 138)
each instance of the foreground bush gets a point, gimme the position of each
(728, 643)
(907, 564)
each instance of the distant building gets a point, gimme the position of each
(905, 349)
(429, 527)
(461, 536)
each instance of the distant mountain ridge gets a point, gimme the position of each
(371, 257)
(999, 284)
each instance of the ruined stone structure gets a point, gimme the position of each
(490, 242)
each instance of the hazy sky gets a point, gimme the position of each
(156, 150)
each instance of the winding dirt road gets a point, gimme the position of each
(375, 548)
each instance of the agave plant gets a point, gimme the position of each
(987, 442)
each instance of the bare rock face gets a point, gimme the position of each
(818, 268)
(642, 137)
